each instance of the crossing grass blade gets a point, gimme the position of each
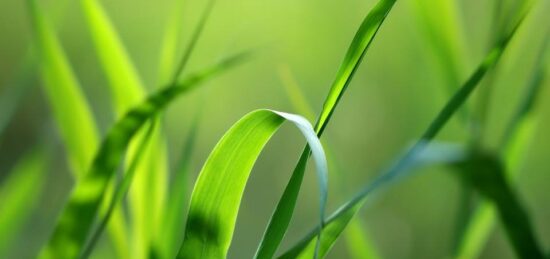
(487, 175)
(148, 193)
(282, 215)
(78, 215)
(516, 139)
(338, 221)
(170, 235)
(19, 194)
(120, 191)
(219, 189)
(358, 243)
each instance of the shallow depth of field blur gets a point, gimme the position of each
(397, 90)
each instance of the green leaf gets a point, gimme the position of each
(64, 95)
(338, 221)
(120, 190)
(218, 191)
(78, 215)
(170, 235)
(148, 194)
(282, 215)
(358, 243)
(19, 195)
(67, 102)
(487, 175)
(517, 137)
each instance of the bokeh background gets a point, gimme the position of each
(403, 82)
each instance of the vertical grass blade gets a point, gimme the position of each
(64, 95)
(218, 191)
(171, 234)
(147, 195)
(487, 175)
(282, 215)
(78, 215)
(19, 194)
(338, 221)
(516, 139)
(359, 245)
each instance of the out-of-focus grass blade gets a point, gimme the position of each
(295, 94)
(67, 102)
(120, 191)
(64, 95)
(19, 194)
(170, 42)
(338, 221)
(218, 192)
(77, 217)
(442, 25)
(358, 243)
(148, 193)
(359, 246)
(282, 215)
(487, 175)
(516, 139)
(171, 234)
(437, 153)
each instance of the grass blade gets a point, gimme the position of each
(218, 191)
(338, 221)
(77, 217)
(171, 234)
(358, 243)
(282, 215)
(147, 196)
(487, 175)
(120, 191)
(516, 139)
(19, 194)
(64, 95)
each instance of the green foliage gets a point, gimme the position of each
(18, 194)
(77, 217)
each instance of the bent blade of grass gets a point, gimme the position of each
(19, 194)
(338, 221)
(282, 215)
(77, 217)
(357, 239)
(219, 189)
(148, 194)
(517, 137)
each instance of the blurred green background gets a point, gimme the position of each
(403, 82)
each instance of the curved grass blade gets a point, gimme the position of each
(78, 215)
(148, 194)
(19, 194)
(358, 242)
(338, 221)
(516, 139)
(120, 191)
(170, 42)
(282, 215)
(218, 191)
